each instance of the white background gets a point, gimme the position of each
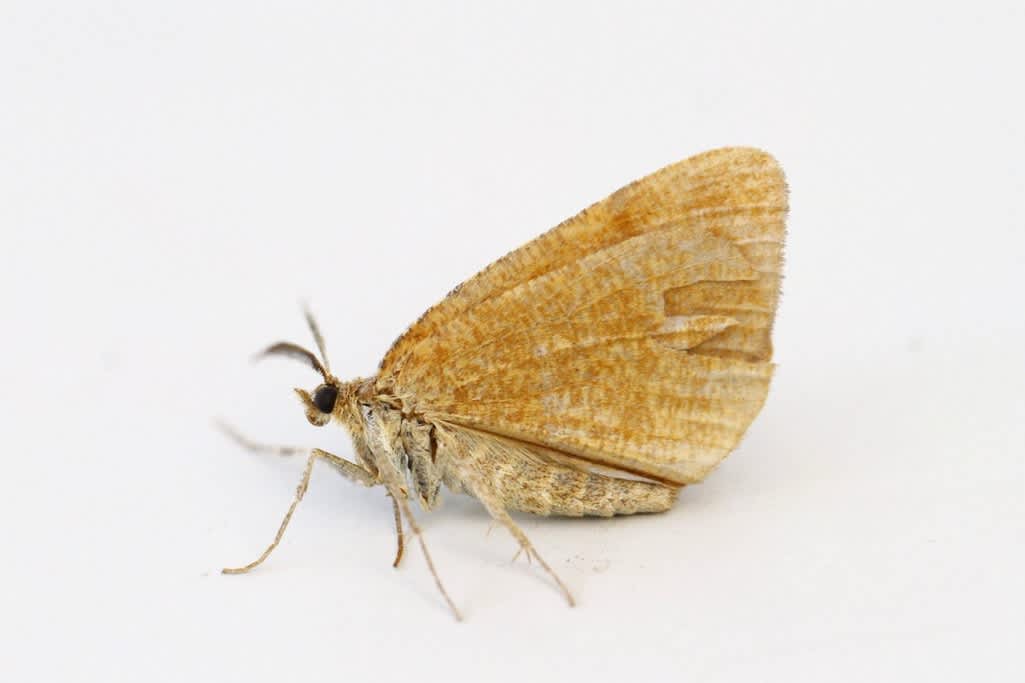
(176, 177)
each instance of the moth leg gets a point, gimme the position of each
(350, 470)
(399, 538)
(256, 446)
(482, 467)
(403, 505)
(393, 481)
(498, 512)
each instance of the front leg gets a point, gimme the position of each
(352, 471)
(349, 469)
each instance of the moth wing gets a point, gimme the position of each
(635, 336)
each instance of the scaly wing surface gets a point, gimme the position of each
(635, 336)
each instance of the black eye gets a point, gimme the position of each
(324, 398)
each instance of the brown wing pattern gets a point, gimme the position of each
(634, 336)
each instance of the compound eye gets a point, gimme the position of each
(324, 398)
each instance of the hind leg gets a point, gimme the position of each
(507, 475)
(499, 513)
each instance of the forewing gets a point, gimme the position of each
(634, 336)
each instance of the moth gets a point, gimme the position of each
(593, 371)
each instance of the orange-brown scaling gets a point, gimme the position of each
(593, 371)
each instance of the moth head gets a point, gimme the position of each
(321, 403)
